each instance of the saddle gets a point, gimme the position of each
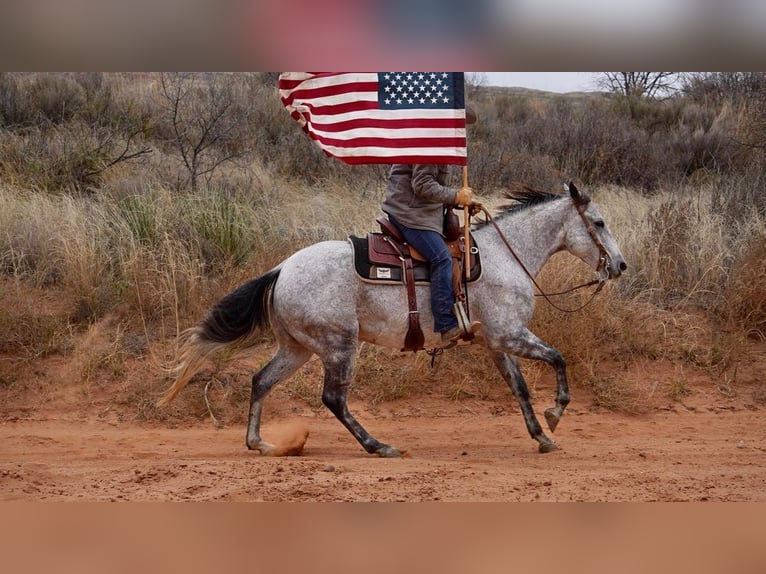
(386, 257)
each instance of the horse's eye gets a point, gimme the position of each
(598, 223)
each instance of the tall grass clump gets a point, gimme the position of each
(689, 252)
(223, 225)
(138, 219)
(745, 292)
(676, 245)
(159, 268)
(28, 224)
(58, 241)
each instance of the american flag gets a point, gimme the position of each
(380, 117)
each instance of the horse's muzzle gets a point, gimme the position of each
(616, 268)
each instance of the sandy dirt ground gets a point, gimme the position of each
(69, 431)
(703, 449)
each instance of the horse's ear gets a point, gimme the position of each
(573, 191)
(577, 197)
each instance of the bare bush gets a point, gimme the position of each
(204, 120)
(639, 84)
(62, 136)
(54, 98)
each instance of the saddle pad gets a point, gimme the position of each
(392, 272)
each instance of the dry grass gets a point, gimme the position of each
(745, 292)
(156, 261)
(34, 322)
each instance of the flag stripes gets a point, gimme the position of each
(350, 117)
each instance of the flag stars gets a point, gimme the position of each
(416, 89)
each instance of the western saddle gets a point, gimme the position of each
(389, 250)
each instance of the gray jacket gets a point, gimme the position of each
(416, 195)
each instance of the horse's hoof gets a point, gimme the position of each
(547, 447)
(262, 448)
(552, 419)
(386, 451)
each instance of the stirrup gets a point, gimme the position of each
(469, 328)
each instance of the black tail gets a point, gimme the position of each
(233, 319)
(241, 312)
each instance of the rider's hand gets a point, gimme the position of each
(464, 196)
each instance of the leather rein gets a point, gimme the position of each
(601, 281)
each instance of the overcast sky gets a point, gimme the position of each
(561, 82)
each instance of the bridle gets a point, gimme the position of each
(601, 269)
(604, 258)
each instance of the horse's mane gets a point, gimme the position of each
(524, 197)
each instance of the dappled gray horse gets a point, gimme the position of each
(329, 316)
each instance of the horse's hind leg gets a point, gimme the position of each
(509, 368)
(287, 360)
(338, 370)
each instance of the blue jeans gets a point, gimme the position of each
(431, 245)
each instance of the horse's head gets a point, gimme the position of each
(588, 237)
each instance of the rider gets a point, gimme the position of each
(414, 202)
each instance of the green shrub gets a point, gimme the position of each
(224, 228)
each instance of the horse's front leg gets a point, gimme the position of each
(509, 368)
(526, 344)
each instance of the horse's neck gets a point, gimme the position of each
(535, 233)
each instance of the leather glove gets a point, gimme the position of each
(475, 208)
(464, 196)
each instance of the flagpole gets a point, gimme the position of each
(467, 231)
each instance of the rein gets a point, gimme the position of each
(602, 264)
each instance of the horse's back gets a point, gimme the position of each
(319, 258)
(316, 283)
(318, 291)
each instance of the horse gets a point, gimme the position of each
(329, 317)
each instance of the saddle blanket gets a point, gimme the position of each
(385, 266)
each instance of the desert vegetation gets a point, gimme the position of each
(129, 203)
